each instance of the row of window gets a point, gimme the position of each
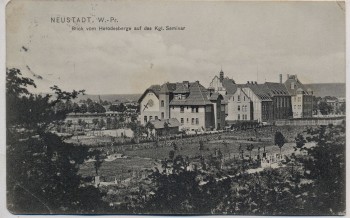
(238, 98)
(151, 117)
(193, 109)
(295, 106)
(244, 117)
(193, 121)
(244, 108)
(282, 102)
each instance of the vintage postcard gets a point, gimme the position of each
(175, 107)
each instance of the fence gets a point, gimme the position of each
(310, 122)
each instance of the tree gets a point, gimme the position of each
(91, 108)
(75, 108)
(99, 108)
(83, 108)
(299, 141)
(42, 169)
(325, 166)
(279, 140)
(113, 107)
(101, 123)
(325, 108)
(121, 107)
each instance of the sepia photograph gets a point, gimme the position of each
(175, 107)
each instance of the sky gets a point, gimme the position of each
(249, 41)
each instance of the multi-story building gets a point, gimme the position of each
(239, 106)
(281, 100)
(301, 98)
(195, 107)
(238, 103)
(262, 106)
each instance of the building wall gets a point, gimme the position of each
(256, 105)
(297, 105)
(151, 111)
(185, 117)
(239, 107)
(209, 117)
(308, 106)
(165, 109)
(217, 85)
(281, 107)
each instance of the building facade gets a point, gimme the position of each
(195, 107)
(301, 98)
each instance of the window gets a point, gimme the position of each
(238, 98)
(192, 109)
(197, 121)
(182, 120)
(187, 120)
(233, 98)
(182, 109)
(239, 117)
(192, 121)
(156, 117)
(162, 103)
(244, 98)
(162, 115)
(196, 109)
(145, 119)
(239, 107)
(150, 117)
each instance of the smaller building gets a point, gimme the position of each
(163, 127)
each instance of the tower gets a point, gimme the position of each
(221, 75)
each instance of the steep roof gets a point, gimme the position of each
(260, 90)
(276, 89)
(229, 85)
(159, 123)
(181, 88)
(153, 88)
(297, 84)
(167, 87)
(198, 95)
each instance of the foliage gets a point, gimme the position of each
(41, 168)
(325, 108)
(279, 140)
(299, 141)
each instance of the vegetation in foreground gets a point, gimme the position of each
(42, 172)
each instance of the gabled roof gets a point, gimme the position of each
(159, 123)
(260, 90)
(198, 95)
(153, 88)
(181, 88)
(276, 89)
(297, 85)
(167, 87)
(229, 85)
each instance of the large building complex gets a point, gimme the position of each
(195, 107)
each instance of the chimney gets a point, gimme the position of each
(280, 78)
(186, 83)
(211, 90)
(256, 82)
(221, 76)
(247, 82)
(287, 76)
